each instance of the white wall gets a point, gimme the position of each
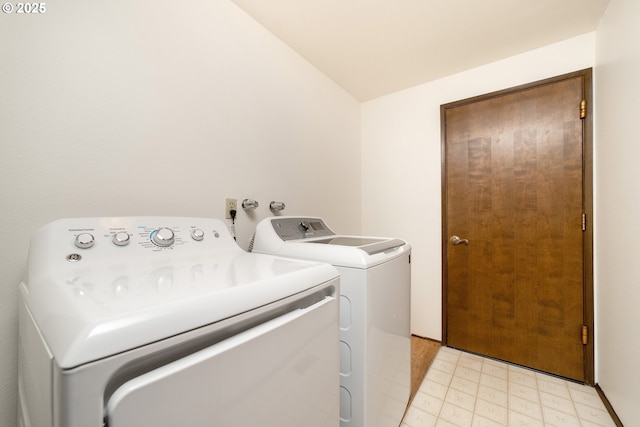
(617, 191)
(401, 162)
(110, 108)
(159, 108)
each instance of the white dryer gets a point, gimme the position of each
(161, 321)
(375, 336)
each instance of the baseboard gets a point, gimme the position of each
(427, 338)
(607, 404)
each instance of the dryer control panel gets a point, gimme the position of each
(156, 234)
(116, 244)
(292, 228)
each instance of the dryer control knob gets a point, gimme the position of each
(85, 240)
(197, 234)
(121, 238)
(163, 237)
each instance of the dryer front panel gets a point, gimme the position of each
(280, 373)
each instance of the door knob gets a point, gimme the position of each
(458, 241)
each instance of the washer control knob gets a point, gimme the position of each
(121, 238)
(197, 234)
(304, 225)
(85, 240)
(163, 237)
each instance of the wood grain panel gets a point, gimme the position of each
(514, 188)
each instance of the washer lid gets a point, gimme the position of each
(309, 238)
(371, 245)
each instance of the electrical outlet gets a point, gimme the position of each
(229, 205)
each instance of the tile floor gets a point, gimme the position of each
(465, 390)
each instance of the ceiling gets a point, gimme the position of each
(375, 47)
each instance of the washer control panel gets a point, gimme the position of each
(294, 228)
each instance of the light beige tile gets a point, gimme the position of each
(433, 388)
(559, 419)
(418, 418)
(448, 354)
(443, 365)
(494, 382)
(558, 403)
(495, 369)
(456, 415)
(465, 390)
(470, 361)
(439, 377)
(525, 407)
(521, 370)
(553, 386)
(464, 385)
(524, 392)
(479, 421)
(492, 395)
(522, 377)
(497, 413)
(516, 419)
(461, 399)
(590, 424)
(586, 395)
(597, 416)
(444, 423)
(577, 385)
(427, 403)
(467, 374)
(550, 378)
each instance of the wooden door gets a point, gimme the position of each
(514, 188)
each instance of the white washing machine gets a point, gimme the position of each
(159, 321)
(375, 336)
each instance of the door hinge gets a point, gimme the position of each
(585, 334)
(584, 222)
(583, 108)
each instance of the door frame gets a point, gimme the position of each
(587, 202)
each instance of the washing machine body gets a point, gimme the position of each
(166, 321)
(375, 336)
